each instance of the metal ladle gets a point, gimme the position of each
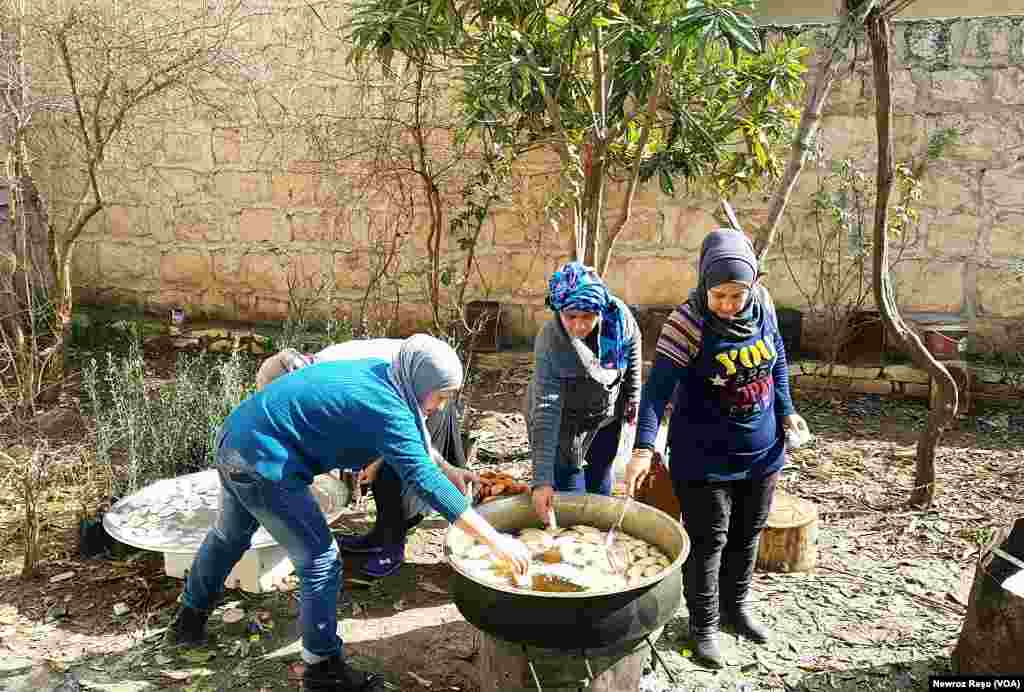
(613, 560)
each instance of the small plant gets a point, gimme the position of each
(144, 430)
(31, 470)
(839, 248)
(983, 536)
(312, 322)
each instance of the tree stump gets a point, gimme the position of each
(789, 542)
(992, 637)
(505, 666)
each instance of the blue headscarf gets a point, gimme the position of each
(578, 287)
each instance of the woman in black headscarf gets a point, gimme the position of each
(722, 353)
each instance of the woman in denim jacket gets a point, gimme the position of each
(586, 383)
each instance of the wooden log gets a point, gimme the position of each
(505, 666)
(789, 542)
(992, 637)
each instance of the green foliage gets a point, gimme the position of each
(309, 334)
(636, 89)
(108, 332)
(942, 139)
(837, 239)
(145, 430)
(846, 199)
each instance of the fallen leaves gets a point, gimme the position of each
(419, 680)
(433, 588)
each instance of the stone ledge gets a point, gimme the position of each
(900, 380)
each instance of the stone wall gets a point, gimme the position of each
(974, 381)
(232, 213)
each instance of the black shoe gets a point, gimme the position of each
(705, 648)
(188, 628)
(746, 626)
(335, 675)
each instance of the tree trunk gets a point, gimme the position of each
(992, 637)
(27, 283)
(940, 416)
(507, 666)
(810, 119)
(30, 496)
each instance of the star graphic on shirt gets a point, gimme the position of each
(718, 381)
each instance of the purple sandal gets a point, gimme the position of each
(385, 563)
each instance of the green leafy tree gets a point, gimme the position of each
(622, 91)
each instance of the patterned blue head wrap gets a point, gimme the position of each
(576, 286)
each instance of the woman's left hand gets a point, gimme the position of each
(460, 477)
(368, 474)
(795, 421)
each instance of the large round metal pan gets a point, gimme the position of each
(573, 621)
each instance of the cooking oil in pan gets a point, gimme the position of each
(565, 561)
(552, 583)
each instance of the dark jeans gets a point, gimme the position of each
(596, 476)
(724, 521)
(394, 516)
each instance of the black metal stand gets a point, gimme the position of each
(657, 657)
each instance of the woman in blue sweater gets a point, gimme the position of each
(339, 414)
(722, 354)
(399, 507)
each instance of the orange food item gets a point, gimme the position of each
(552, 555)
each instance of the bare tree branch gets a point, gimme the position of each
(634, 174)
(810, 120)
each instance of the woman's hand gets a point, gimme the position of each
(637, 469)
(460, 477)
(504, 547)
(513, 551)
(543, 497)
(797, 432)
(795, 421)
(368, 474)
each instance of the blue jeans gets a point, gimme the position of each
(292, 516)
(596, 476)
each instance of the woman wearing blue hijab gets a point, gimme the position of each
(586, 383)
(722, 354)
(340, 414)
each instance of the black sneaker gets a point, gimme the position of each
(188, 628)
(335, 675)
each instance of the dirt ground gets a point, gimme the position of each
(881, 611)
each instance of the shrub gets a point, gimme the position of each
(144, 430)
